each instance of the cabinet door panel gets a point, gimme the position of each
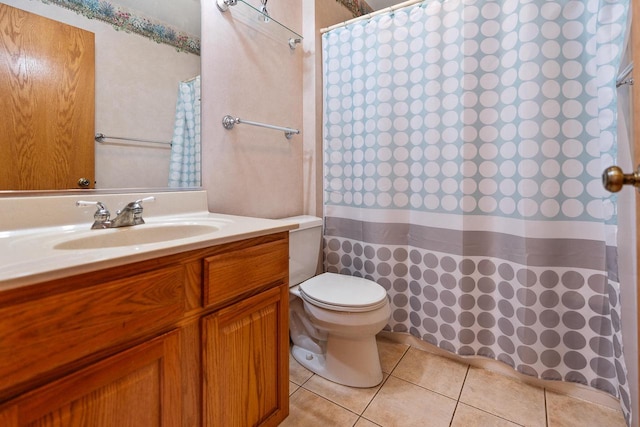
(138, 387)
(93, 319)
(245, 363)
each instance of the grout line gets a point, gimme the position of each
(297, 387)
(384, 381)
(466, 374)
(332, 402)
(546, 413)
(453, 415)
(339, 404)
(404, 353)
(424, 388)
(301, 383)
(484, 410)
(367, 419)
(329, 400)
(360, 415)
(307, 380)
(494, 415)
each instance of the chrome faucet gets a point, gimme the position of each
(130, 215)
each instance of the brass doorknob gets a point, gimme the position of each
(613, 178)
(83, 183)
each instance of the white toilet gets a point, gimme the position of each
(333, 318)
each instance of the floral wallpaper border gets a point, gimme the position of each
(124, 19)
(357, 7)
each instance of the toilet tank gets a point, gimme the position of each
(305, 244)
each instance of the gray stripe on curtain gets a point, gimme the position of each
(575, 253)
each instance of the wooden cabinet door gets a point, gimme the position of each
(138, 387)
(245, 362)
(47, 103)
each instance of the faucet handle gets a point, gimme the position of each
(146, 199)
(135, 208)
(101, 215)
(102, 209)
(136, 205)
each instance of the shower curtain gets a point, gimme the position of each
(184, 164)
(463, 147)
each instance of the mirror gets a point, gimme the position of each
(143, 50)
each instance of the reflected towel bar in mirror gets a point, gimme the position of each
(100, 137)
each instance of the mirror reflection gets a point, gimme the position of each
(144, 94)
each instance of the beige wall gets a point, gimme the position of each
(136, 88)
(249, 71)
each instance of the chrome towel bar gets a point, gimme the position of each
(229, 121)
(100, 137)
(622, 78)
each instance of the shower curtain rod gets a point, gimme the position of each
(371, 15)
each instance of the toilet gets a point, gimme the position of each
(333, 318)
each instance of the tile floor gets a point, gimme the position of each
(422, 389)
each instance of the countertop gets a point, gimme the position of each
(33, 230)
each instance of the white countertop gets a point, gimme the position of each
(33, 230)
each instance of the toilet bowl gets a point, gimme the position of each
(333, 318)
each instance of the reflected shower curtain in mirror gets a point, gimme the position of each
(463, 147)
(184, 164)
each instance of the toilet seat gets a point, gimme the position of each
(339, 292)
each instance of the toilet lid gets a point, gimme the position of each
(343, 293)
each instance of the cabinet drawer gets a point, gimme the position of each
(230, 275)
(38, 337)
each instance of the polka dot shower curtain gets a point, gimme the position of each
(184, 163)
(463, 146)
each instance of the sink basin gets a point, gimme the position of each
(135, 236)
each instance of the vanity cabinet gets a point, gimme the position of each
(198, 338)
(241, 362)
(138, 387)
(246, 345)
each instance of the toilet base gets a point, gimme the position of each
(354, 363)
